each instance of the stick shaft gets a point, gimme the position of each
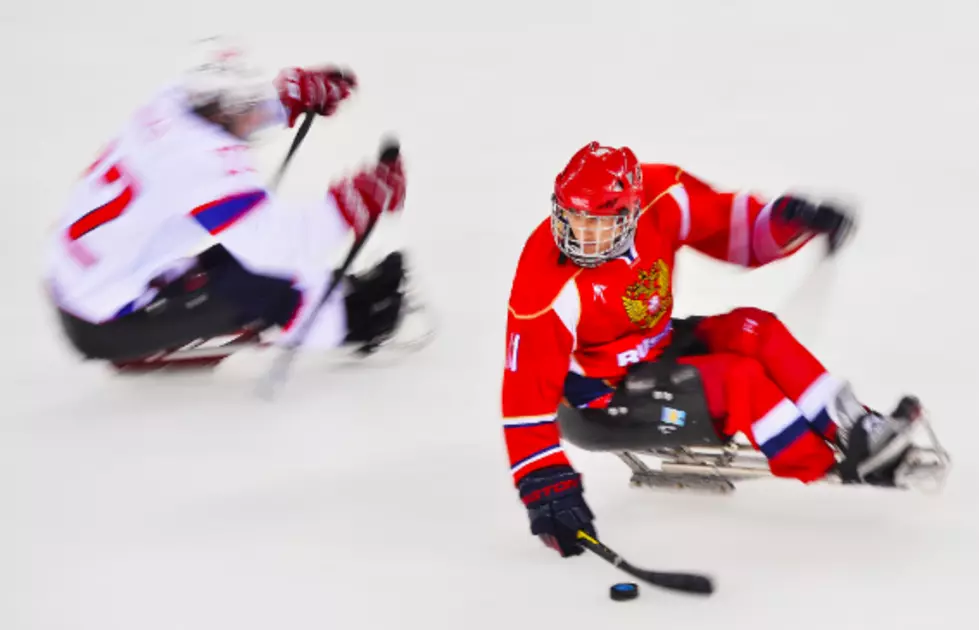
(280, 367)
(296, 141)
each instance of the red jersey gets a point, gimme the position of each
(572, 331)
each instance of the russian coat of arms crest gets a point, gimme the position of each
(649, 298)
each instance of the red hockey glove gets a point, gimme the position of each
(316, 89)
(369, 194)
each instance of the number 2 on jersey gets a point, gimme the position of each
(111, 210)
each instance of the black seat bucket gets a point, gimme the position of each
(640, 416)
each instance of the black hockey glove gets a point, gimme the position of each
(557, 509)
(824, 218)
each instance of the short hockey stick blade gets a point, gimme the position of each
(685, 582)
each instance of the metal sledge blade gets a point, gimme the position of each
(716, 469)
(644, 476)
(712, 484)
(200, 354)
(925, 469)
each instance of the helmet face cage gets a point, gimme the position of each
(588, 239)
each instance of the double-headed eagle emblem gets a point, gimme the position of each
(649, 298)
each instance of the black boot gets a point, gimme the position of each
(374, 303)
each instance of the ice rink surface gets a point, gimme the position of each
(379, 497)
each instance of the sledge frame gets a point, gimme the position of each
(415, 329)
(709, 464)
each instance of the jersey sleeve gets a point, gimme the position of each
(265, 233)
(736, 227)
(538, 356)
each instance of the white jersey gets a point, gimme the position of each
(168, 187)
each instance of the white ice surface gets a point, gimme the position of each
(380, 497)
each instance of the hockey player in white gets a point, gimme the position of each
(171, 235)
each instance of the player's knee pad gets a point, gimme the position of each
(255, 297)
(760, 316)
(374, 299)
(757, 325)
(742, 331)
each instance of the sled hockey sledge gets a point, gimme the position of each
(204, 353)
(683, 451)
(132, 347)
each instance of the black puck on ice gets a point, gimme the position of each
(624, 591)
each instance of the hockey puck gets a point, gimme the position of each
(624, 591)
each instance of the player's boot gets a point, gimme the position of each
(874, 445)
(374, 304)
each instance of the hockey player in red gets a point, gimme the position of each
(592, 301)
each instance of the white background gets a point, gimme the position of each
(380, 497)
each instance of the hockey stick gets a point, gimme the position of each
(280, 367)
(296, 141)
(686, 582)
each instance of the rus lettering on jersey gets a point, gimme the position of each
(637, 354)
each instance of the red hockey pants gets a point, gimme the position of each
(761, 381)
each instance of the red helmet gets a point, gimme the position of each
(596, 202)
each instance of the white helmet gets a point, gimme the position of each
(222, 74)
